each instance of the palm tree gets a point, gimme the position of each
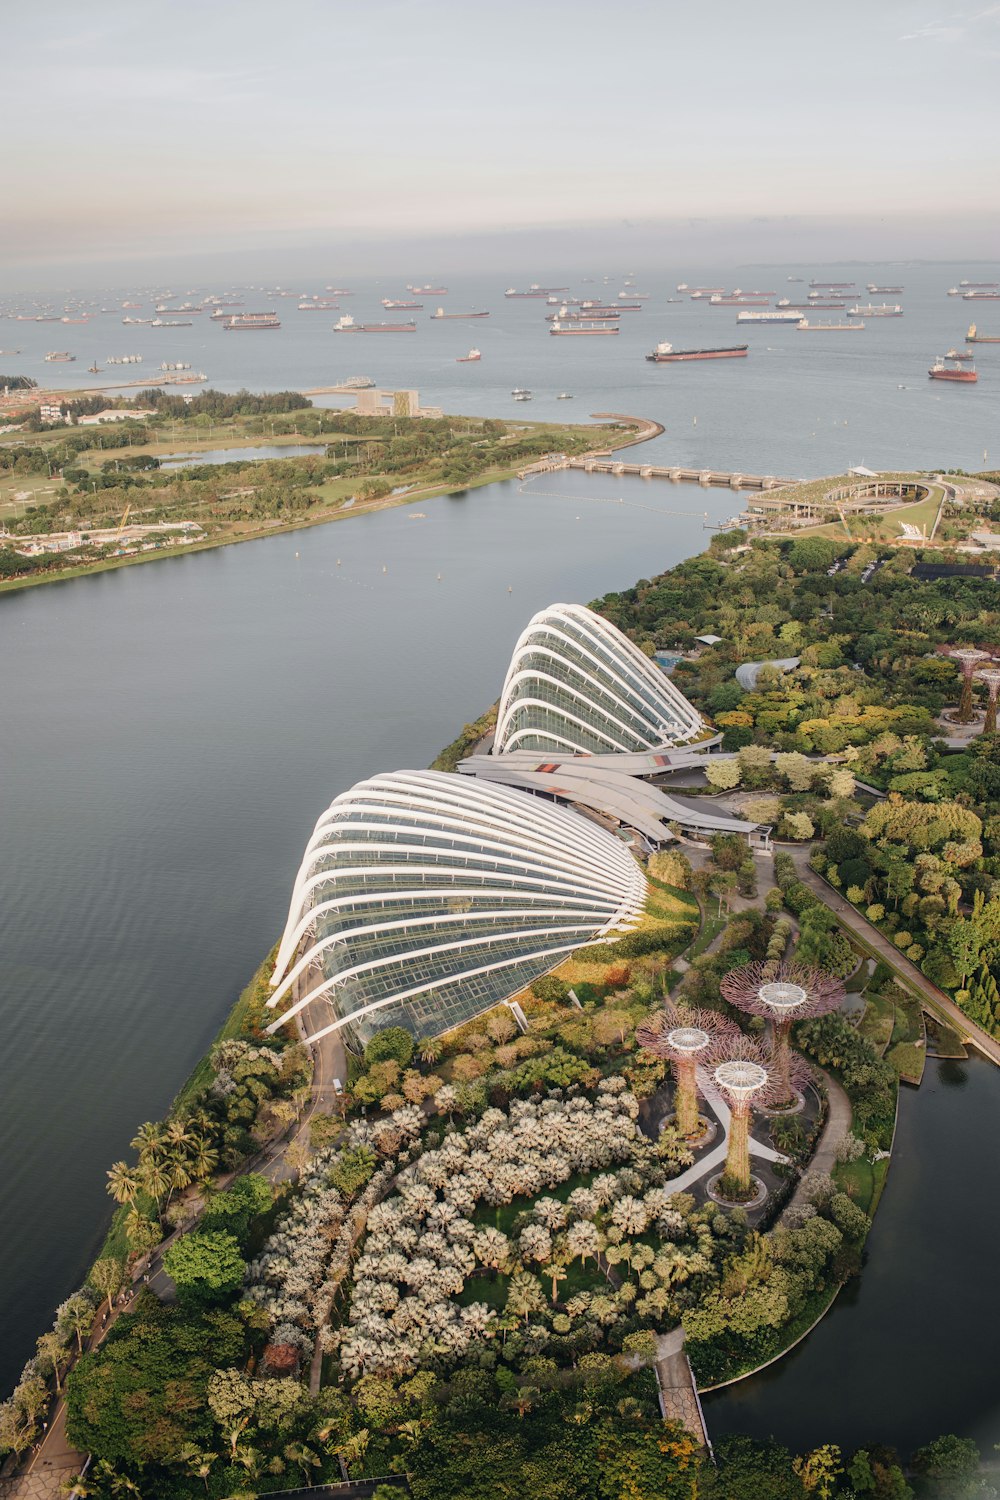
(197, 1462)
(148, 1138)
(123, 1182)
(204, 1160)
(155, 1178)
(524, 1295)
(556, 1272)
(431, 1049)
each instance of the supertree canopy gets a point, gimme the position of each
(783, 993)
(685, 1037)
(968, 658)
(991, 677)
(746, 1073)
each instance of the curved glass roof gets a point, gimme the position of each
(577, 686)
(425, 898)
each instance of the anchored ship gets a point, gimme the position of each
(771, 315)
(805, 326)
(873, 310)
(882, 291)
(981, 296)
(440, 313)
(60, 357)
(535, 291)
(470, 358)
(945, 369)
(666, 354)
(586, 329)
(391, 306)
(974, 337)
(252, 320)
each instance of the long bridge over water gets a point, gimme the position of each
(714, 478)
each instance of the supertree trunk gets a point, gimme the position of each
(736, 1178)
(782, 1062)
(686, 1097)
(965, 701)
(990, 727)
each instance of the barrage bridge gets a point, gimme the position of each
(708, 478)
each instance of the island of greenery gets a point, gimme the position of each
(80, 498)
(458, 1281)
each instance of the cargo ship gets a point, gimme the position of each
(739, 301)
(804, 307)
(771, 315)
(876, 310)
(962, 354)
(981, 296)
(944, 369)
(387, 327)
(979, 284)
(428, 291)
(317, 305)
(666, 354)
(124, 359)
(804, 326)
(252, 320)
(60, 357)
(440, 313)
(630, 296)
(583, 329)
(882, 291)
(589, 315)
(840, 285)
(536, 291)
(470, 358)
(391, 306)
(974, 337)
(171, 323)
(186, 307)
(701, 292)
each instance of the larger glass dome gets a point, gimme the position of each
(577, 686)
(426, 898)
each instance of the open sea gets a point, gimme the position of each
(169, 734)
(800, 404)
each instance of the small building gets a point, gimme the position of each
(114, 414)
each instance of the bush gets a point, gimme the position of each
(394, 1044)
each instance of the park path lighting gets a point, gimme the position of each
(748, 1078)
(783, 994)
(968, 658)
(991, 677)
(685, 1037)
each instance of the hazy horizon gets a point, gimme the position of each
(360, 139)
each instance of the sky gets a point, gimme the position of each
(237, 132)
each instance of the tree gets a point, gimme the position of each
(107, 1276)
(231, 1401)
(819, 1470)
(950, 1464)
(123, 1182)
(52, 1353)
(206, 1267)
(551, 989)
(723, 774)
(393, 1043)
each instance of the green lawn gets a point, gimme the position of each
(878, 1021)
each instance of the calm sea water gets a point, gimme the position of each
(800, 404)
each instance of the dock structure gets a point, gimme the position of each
(679, 1400)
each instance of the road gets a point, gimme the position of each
(874, 940)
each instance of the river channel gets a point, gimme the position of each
(171, 733)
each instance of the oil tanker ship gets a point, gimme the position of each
(882, 291)
(583, 329)
(981, 296)
(945, 369)
(974, 337)
(589, 315)
(666, 354)
(252, 320)
(805, 326)
(440, 313)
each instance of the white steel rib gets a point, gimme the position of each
(575, 682)
(435, 896)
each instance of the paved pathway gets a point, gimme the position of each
(836, 1126)
(936, 999)
(678, 1392)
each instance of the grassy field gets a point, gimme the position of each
(885, 528)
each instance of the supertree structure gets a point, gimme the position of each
(783, 993)
(685, 1037)
(745, 1073)
(991, 677)
(968, 658)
